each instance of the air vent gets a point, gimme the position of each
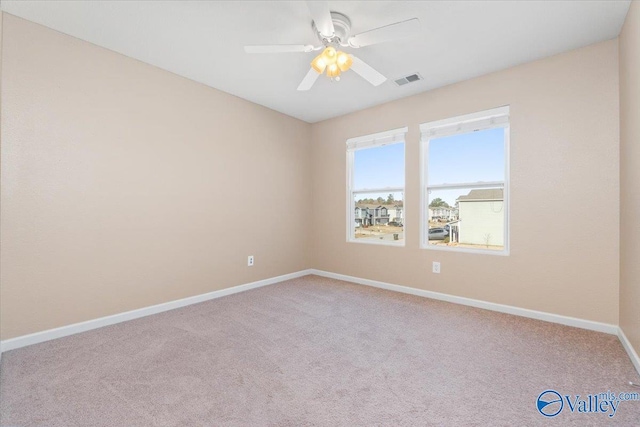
(408, 79)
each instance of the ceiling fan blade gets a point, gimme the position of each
(322, 17)
(278, 48)
(309, 80)
(390, 32)
(366, 72)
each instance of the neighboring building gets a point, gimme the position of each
(397, 213)
(443, 212)
(378, 214)
(482, 217)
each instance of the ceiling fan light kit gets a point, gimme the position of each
(333, 61)
(333, 30)
(344, 61)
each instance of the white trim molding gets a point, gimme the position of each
(517, 311)
(489, 119)
(496, 117)
(635, 359)
(39, 337)
(76, 328)
(377, 139)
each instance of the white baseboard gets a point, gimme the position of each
(76, 328)
(532, 314)
(635, 359)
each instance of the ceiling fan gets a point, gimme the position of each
(333, 30)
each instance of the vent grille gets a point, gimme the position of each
(408, 79)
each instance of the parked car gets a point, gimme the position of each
(437, 233)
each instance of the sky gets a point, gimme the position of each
(470, 157)
(379, 167)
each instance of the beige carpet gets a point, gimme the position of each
(314, 351)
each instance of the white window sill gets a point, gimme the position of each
(504, 252)
(377, 242)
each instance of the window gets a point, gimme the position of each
(465, 175)
(375, 188)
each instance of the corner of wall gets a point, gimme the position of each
(629, 86)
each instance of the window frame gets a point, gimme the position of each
(380, 139)
(468, 123)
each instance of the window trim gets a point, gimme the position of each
(380, 139)
(481, 120)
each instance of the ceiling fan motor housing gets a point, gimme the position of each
(341, 27)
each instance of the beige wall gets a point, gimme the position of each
(125, 186)
(564, 167)
(630, 176)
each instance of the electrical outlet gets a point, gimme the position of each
(436, 267)
(250, 261)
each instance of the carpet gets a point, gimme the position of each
(316, 352)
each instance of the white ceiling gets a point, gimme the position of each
(204, 41)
